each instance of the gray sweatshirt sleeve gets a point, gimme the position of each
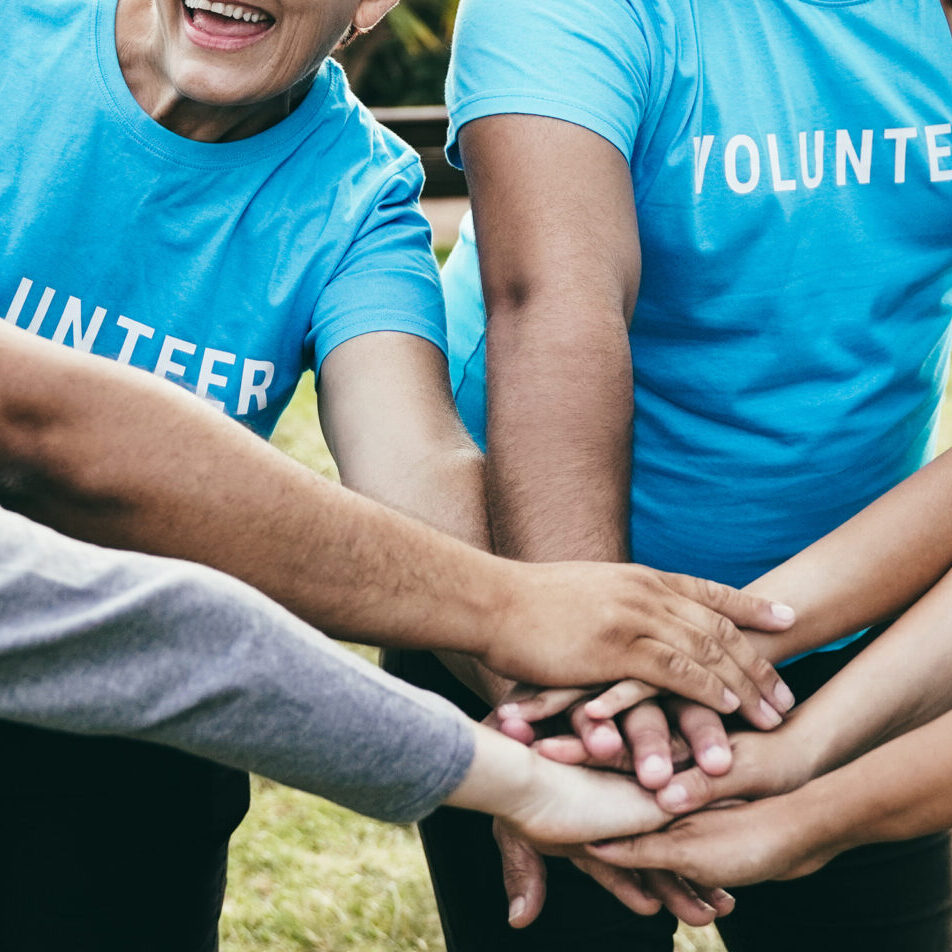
(96, 641)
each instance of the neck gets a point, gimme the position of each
(140, 60)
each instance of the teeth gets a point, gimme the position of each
(233, 10)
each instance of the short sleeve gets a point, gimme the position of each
(584, 61)
(388, 278)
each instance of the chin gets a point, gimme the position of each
(218, 85)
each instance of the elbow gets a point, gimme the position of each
(39, 460)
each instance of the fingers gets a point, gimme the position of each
(619, 697)
(693, 788)
(649, 739)
(541, 706)
(720, 647)
(651, 851)
(523, 875)
(688, 903)
(518, 730)
(565, 749)
(601, 738)
(745, 611)
(704, 732)
(625, 885)
(726, 653)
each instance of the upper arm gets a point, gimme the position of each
(555, 219)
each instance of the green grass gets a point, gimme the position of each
(307, 875)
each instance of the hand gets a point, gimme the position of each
(762, 765)
(736, 845)
(641, 742)
(524, 878)
(573, 623)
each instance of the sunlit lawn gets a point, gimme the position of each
(306, 875)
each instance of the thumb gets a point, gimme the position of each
(692, 789)
(523, 876)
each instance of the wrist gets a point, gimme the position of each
(500, 779)
(820, 825)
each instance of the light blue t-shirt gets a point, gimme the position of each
(792, 170)
(227, 267)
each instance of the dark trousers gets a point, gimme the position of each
(111, 845)
(892, 897)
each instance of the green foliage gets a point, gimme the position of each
(403, 61)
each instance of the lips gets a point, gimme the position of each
(225, 26)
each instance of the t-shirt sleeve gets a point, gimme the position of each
(584, 61)
(388, 279)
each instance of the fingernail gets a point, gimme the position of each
(731, 699)
(721, 895)
(673, 797)
(508, 710)
(655, 765)
(596, 710)
(604, 735)
(770, 715)
(717, 756)
(784, 696)
(782, 612)
(516, 908)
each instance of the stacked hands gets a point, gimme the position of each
(661, 750)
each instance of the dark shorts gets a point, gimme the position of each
(891, 897)
(111, 845)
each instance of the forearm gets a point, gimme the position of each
(102, 642)
(897, 791)
(899, 682)
(558, 465)
(133, 462)
(560, 266)
(867, 570)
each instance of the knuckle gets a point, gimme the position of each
(723, 629)
(678, 667)
(710, 652)
(762, 670)
(712, 592)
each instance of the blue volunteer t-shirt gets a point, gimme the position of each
(792, 170)
(226, 267)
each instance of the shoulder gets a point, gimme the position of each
(364, 149)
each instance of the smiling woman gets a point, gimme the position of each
(215, 71)
(190, 188)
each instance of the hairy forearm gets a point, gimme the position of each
(867, 570)
(558, 463)
(133, 462)
(445, 490)
(95, 641)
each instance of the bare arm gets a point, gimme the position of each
(867, 570)
(115, 456)
(559, 258)
(388, 416)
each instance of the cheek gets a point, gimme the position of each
(300, 55)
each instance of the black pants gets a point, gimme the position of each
(111, 845)
(887, 898)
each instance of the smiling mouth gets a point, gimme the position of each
(227, 23)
